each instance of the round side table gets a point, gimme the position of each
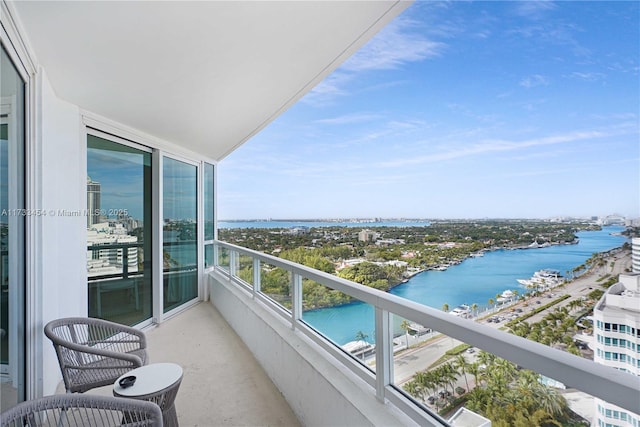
(158, 383)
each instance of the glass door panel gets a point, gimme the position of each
(118, 231)
(179, 233)
(12, 237)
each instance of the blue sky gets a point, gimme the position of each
(460, 110)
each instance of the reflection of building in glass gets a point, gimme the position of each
(93, 202)
(119, 250)
(617, 342)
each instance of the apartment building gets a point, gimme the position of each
(617, 343)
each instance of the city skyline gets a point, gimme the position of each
(459, 110)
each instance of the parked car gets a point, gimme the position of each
(431, 400)
(444, 393)
(471, 350)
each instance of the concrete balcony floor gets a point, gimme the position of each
(223, 384)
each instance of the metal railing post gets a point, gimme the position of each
(384, 352)
(296, 299)
(256, 276)
(233, 267)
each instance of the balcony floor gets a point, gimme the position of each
(222, 385)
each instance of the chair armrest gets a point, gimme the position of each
(131, 339)
(132, 358)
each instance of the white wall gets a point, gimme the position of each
(61, 284)
(319, 390)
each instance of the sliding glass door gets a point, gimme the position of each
(12, 234)
(179, 232)
(119, 237)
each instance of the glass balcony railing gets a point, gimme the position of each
(423, 360)
(119, 287)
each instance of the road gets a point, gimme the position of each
(408, 362)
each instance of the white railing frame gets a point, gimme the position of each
(609, 384)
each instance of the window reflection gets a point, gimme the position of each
(180, 233)
(118, 231)
(12, 249)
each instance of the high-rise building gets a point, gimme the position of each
(617, 343)
(93, 202)
(367, 235)
(635, 254)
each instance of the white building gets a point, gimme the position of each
(118, 248)
(367, 235)
(635, 254)
(617, 343)
(467, 418)
(93, 202)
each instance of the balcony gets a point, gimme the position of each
(314, 373)
(222, 383)
(252, 355)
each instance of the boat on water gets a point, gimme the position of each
(417, 330)
(359, 348)
(462, 310)
(543, 279)
(505, 296)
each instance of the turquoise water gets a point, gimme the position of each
(475, 280)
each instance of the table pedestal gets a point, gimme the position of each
(158, 383)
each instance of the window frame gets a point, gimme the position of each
(98, 126)
(158, 228)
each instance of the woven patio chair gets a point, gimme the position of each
(94, 352)
(71, 410)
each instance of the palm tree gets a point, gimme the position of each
(491, 302)
(405, 326)
(474, 309)
(445, 307)
(362, 338)
(460, 363)
(413, 388)
(474, 369)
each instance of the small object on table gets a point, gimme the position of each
(157, 382)
(127, 381)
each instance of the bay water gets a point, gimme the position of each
(475, 280)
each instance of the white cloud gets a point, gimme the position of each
(393, 47)
(590, 77)
(534, 9)
(534, 80)
(490, 146)
(349, 119)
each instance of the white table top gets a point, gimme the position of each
(149, 379)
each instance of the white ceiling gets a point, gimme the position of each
(206, 75)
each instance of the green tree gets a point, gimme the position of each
(405, 326)
(460, 364)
